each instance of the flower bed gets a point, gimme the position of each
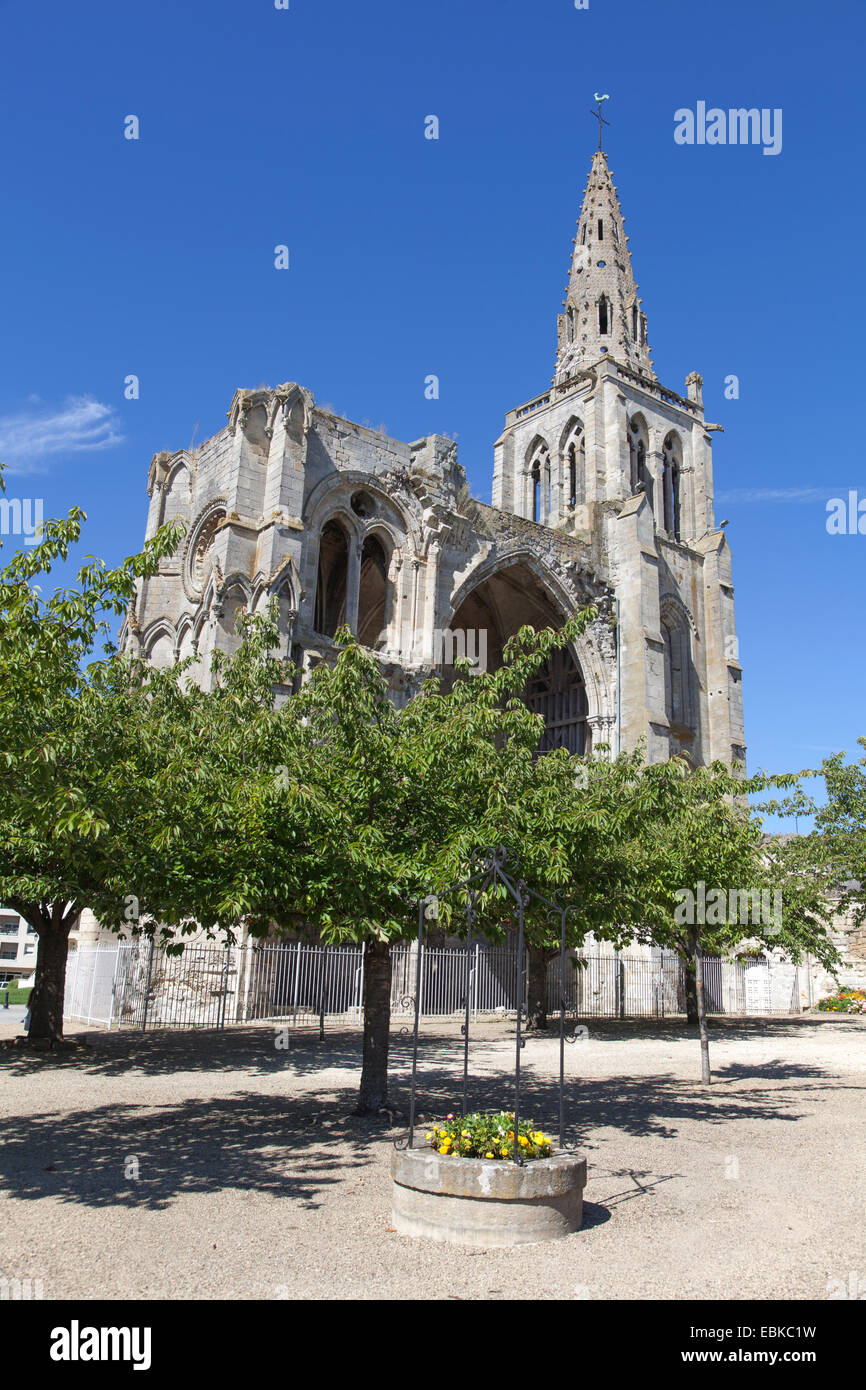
(847, 1001)
(488, 1136)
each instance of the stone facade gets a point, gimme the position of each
(849, 937)
(602, 493)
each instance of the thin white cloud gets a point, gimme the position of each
(777, 494)
(80, 424)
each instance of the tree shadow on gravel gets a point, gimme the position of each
(777, 1070)
(247, 1142)
(304, 1146)
(642, 1106)
(261, 1051)
(721, 1027)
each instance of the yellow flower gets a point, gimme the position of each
(488, 1155)
(445, 1149)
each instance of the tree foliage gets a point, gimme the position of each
(323, 807)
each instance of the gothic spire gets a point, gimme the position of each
(601, 311)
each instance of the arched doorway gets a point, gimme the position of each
(497, 608)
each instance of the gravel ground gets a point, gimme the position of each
(254, 1180)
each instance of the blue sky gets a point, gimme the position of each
(410, 257)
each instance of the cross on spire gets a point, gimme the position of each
(598, 116)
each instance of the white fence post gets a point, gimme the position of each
(92, 981)
(297, 985)
(114, 986)
(247, 957)
(74, 1010)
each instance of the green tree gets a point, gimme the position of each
(50, 820)
(836, 847)
(131, 791)
(123, 789)
(383, 805)
(573, 822)
(706, 863)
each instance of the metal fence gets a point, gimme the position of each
(136, 985)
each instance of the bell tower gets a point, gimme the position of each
(622, 465)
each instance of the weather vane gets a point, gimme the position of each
(600, 97)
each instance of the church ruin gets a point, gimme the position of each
(602, 493)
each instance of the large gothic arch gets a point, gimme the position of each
(576, 691)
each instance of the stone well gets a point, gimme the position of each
(473, 1201)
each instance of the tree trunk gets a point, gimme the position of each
(691, 994)
(373, 1094)
(537, 958)
(691, 980)
(702, 1016)
(46, 997)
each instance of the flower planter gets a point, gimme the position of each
(473, 1201)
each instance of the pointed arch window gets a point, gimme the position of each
(540, 482)
(330, 608)
(176, 495)
(373, 595)
(604, 315)
(639, 474)
(600, 230)
(671, 474)
(634, 323)
(570, 324)
(574, 455)
(583, 235)
(234, 602)
(680, 705)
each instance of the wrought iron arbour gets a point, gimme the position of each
(492, 869)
